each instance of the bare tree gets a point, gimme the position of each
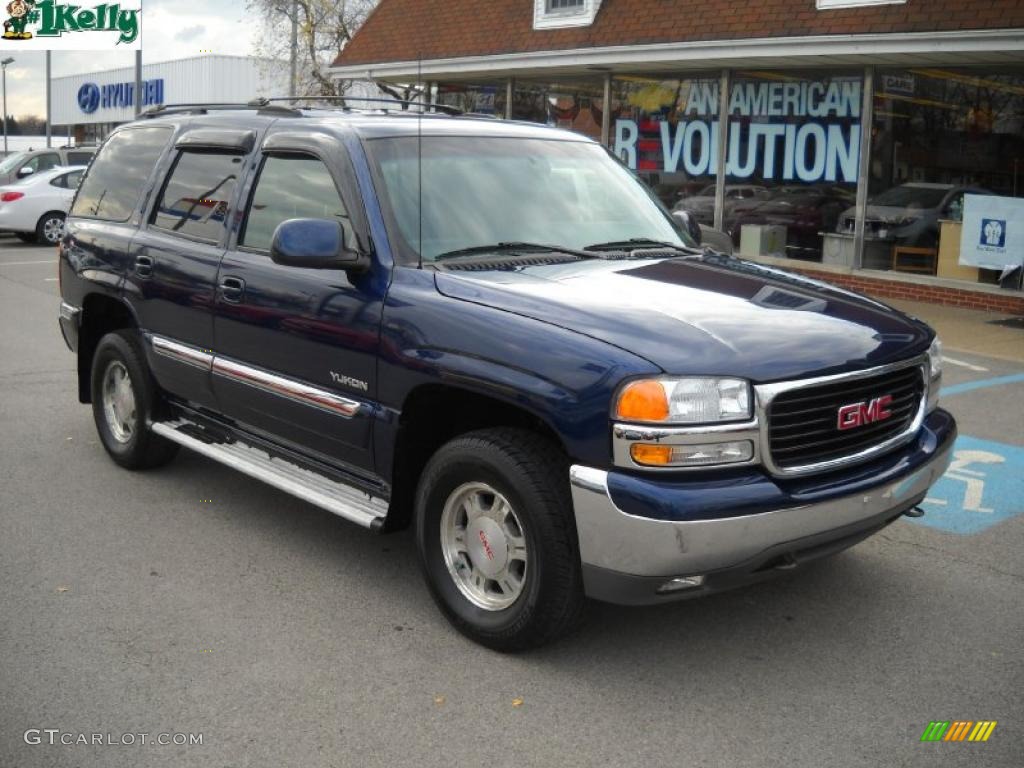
(325, 27)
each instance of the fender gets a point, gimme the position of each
(564, 378)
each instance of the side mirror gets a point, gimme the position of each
(690, 224)
(25, 171)
(315, 244)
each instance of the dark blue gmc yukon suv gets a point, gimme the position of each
(495, 333)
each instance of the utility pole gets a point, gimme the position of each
(49, 115)
(3, 65)
(138, 81)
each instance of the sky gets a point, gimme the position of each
(171, 29)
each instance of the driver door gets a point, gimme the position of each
(296, 347)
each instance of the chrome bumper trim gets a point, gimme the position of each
(69, 312)
(612, 539)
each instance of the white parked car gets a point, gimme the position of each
(34, 208)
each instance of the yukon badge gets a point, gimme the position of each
(348, 381)
(861, 414)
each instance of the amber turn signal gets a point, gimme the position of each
(651, 455)
(643, 401)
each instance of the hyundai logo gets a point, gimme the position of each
(89, 98)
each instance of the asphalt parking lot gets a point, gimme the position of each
(194, 600)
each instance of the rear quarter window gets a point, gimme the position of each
(115, 181)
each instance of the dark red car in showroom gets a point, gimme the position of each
(805, 212)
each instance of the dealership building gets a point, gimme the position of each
(86, 107)
(875, 143)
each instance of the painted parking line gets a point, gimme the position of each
(983, 486)
(25, 263)
(971, 386)
(963, 364)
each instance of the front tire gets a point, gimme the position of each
(497, 540)
(125, 399)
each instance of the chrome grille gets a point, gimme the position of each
(803, 426)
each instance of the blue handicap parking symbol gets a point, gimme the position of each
(984, 485)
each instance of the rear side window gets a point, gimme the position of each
(79, 158)
(68, 180)
(198, 192)
(115, 182)
(291, 187)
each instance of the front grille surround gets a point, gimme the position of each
(765, 395)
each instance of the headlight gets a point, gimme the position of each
(684, 401)
(934, 373)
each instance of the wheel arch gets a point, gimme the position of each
(431, 415)
(101, 314)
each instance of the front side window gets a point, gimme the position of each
(116, 180)
(290, 187)
(197, 196)
(480, 191)
(43, 162)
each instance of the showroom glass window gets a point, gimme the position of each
(792, 162)
(940, 134)
(575, 104)
(477, 98)
(197, 196)
(666, 131)
(115, 181)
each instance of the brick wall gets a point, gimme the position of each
(1010, 303)
(404, 30)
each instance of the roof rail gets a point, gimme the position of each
(443, 108)
(198, 108)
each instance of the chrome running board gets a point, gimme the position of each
(341, 499)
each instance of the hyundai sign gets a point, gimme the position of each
(93, 97)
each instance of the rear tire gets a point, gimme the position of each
(125, 399)
(497, 539)
(50, 228)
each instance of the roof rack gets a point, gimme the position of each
(199, 108)
(271, 106)
(443, 108)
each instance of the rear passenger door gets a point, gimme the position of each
(107, 209)
(296, 348)
(175, 255)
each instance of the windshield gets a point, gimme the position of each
(485, 191)
(10, 162)
(905, 196)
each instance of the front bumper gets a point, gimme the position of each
(636, 534)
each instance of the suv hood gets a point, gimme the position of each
(710, 315)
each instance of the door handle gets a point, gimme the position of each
(232, 289)
(143, 266)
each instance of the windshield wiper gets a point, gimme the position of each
(511, 248)
(642, 243)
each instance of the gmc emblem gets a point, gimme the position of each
(859, 414)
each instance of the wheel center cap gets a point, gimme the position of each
(488, 548)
